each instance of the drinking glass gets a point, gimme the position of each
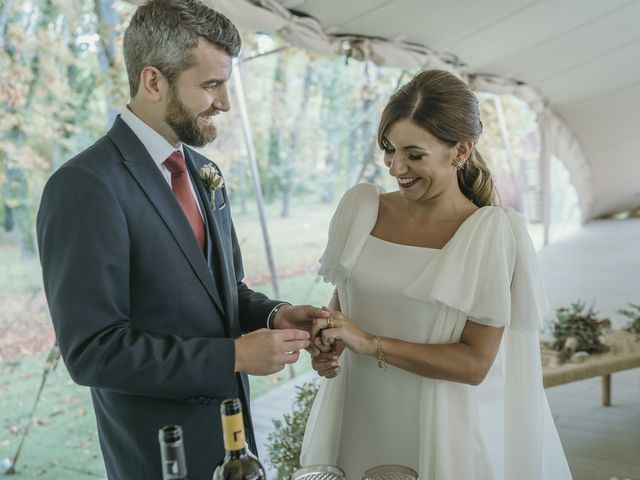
(318, 472)
(390, 472)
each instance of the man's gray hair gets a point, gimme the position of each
(163, 33)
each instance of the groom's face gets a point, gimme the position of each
(199, 94)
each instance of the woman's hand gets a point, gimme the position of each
(327, 331)
(326, 364)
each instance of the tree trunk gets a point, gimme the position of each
(107, 21)
(332, 104)
(16, 191)
(4, 19)
(294, 146)
(366, 132)
(276, 130)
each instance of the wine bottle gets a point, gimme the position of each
(174, 465)
(238, 463)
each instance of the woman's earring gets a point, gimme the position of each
(461, 163)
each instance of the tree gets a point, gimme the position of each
(107, 22)
(293, 155)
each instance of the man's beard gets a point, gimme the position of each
(186, 125)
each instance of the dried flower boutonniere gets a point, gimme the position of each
(212, 181)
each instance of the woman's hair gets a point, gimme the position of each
(163, 33)
(446, 107)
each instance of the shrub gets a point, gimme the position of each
(285, 442)
(633, 314)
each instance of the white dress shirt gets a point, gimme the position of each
(156, 145)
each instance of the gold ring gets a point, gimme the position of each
(330, 322)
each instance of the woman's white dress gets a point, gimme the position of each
(445, 430)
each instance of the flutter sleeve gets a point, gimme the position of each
(352, 221)
(489, 271)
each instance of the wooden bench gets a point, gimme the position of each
(623, 354)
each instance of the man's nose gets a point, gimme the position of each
(221, 101)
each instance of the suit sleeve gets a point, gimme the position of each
(83, 239)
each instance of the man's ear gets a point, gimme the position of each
(152, 84)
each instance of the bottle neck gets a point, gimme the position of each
(174, 465)
(236, 454)
(233, 432)
(173, 462)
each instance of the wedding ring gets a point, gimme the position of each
(330, 322)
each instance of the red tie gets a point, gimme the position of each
(182, 190)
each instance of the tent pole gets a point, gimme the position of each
(255, 175)
(545, 173)
(504, 131)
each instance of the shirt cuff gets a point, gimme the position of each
(272, 315)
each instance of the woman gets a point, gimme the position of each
(438, 302)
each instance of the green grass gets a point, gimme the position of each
(296, 242)
(62, 442)
(20, 276)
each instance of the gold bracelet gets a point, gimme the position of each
(382, 363)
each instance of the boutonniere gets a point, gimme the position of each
(212, 181)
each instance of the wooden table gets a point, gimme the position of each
(623, 354)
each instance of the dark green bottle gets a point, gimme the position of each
(238, 463)
(174, 465)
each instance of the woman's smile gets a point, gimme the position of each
(407, 182)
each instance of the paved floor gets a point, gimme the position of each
(600, 263)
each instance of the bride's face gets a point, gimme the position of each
(421, 164)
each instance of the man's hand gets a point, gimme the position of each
(264, 352)
(300, 317)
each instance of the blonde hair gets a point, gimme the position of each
(446, 107)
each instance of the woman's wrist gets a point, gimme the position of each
(382, 361)
(371, 348)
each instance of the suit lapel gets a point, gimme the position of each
(142, 167)
(219, 261)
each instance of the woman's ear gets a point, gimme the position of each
(463, 150)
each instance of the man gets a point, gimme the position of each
(141, 264)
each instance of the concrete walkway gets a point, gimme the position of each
(271, 406)
(599, 263)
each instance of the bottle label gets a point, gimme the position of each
(233, 429)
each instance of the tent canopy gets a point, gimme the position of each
(577, 62)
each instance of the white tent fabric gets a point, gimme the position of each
(308, 33)
(269, 15)
(557, 140)
(582, 57)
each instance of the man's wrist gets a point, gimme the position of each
(271, 318)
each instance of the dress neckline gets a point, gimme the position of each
(404, 245)
(424, 248)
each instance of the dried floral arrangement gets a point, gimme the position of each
(575, 330)
(633, 314)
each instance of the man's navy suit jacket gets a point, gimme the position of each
(141, 314)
